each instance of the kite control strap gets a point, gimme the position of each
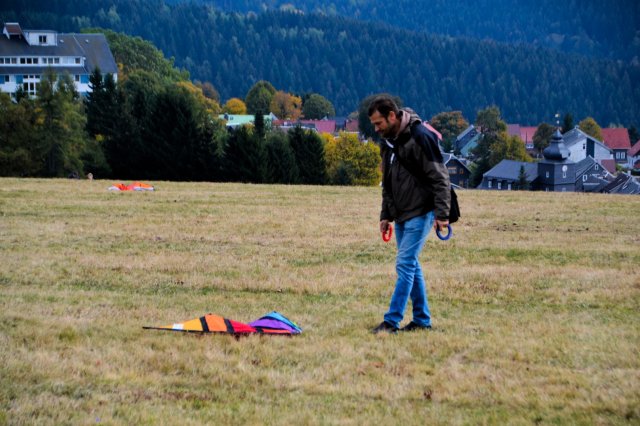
(386, 236)
(447, 236)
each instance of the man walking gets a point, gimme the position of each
(416, 196)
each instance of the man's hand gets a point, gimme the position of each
(441, 225)
(384, 226)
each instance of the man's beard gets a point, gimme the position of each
(388, 133)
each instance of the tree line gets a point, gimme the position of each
(153, 123)
(347, 60)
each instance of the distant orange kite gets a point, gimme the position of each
(135, 186)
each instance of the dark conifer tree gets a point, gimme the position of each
(282, 167)
(259, 126)
(523, 184)
(567, 123)
(245, 157)
(308, 149)
(94, 103)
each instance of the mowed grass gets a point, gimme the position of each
(535, 303)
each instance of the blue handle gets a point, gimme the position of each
(445, 237)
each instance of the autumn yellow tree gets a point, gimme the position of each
(591, 128)
(450, 125)
(212, 107)
(507, 147)
(352, 162)
(235, 106)
(286, 106)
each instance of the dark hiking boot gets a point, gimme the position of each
(385, 327)
(412, 326)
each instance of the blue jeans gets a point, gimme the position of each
(410, 238)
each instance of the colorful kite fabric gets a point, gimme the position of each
(135, 186)
(273, 323)
(209, 324)
(276, 323)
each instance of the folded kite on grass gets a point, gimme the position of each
(273, 323)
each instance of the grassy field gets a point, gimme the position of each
(535, 303)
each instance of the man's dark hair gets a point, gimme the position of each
(384, 105)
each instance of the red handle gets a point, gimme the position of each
(386, 236)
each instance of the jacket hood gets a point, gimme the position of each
(408, 118)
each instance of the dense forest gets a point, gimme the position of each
(346, 60)
(604, 29)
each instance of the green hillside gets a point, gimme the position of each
(608, 29)
(345, 60)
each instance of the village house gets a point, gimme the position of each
(558, 172)
(459, 174)
(25, 55)
(234, 120)
(525, 133)
(581, 146)
(617, 139)
(623, 184)
(633, 157)
(509, 175)
(466, 141)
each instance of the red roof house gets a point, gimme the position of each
(524, 132)
(616, 138)
(322, 126)
(352, 126)
(634, 150)
(633, 156)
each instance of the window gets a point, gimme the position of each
(564, 173)
(509, 186)
(1, 60)
(453, 170)
(596, 167)
(14, 60)
(6, 78)
(23, 60)
(584, 178)
(547, 175)
(42, 39)
(56, 60)
(489, 184)
(76, 77)
(499, 185)
(77, 60)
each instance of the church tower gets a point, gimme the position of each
(557, 172)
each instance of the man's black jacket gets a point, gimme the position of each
(415, 179)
